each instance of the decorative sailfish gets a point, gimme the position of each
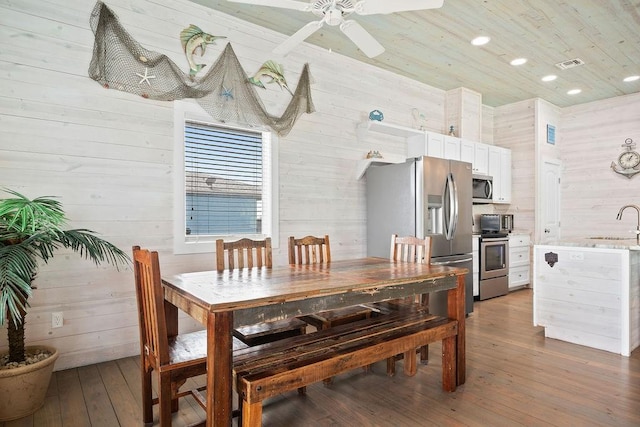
(193, 38)
(272, 70)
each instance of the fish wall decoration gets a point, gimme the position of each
(272, 70)
(193, 38)
(119, 62)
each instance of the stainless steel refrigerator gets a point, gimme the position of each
(424, 196)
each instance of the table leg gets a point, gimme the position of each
(456, 310)
(219, 369)
(171, 319)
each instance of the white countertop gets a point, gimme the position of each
(605, 243)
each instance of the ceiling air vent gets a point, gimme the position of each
(565, 65)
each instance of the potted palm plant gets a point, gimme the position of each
(31, 231)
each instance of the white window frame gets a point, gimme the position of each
(182, 244)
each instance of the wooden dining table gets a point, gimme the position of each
(232, 298)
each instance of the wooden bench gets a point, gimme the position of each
(271, 369)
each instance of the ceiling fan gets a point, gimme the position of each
(333, 13)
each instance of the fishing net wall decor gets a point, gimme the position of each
(120, 62)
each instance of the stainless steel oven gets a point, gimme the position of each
(494, 266)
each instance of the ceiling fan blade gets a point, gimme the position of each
(362, 38)
(286, 4)
(370, 7)
(297, 38)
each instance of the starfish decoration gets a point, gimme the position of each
(145, 77)
(226, 93)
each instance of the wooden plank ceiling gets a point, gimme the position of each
(433, 46)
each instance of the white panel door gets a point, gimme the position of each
(549, 223)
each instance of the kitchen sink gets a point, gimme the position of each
(611, 238)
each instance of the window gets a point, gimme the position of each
(224, 182)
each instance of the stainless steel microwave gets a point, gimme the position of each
(482, 189)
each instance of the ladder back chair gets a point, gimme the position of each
(317, 250)
(247, 253)
(410, 249)
(175, 358)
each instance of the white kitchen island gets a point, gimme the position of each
(591, 294)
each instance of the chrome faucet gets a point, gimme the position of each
(619, 217)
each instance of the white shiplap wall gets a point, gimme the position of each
(108, 154)
(590, 138)
(514, 128)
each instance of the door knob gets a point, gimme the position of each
(546, 230)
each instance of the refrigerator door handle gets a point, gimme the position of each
(451, 215)
(454, 222)
(452, 262)
(446, 214)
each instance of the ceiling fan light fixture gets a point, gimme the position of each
(333, 17)
(481, 40)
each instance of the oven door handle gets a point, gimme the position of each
(452, 262)
(495, 239)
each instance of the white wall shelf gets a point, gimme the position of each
(362, 165)
(385, 128)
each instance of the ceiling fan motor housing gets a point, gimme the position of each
(333, 11)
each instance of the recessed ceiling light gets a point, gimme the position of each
(631, 78)
(549, 78)
(574, 91)
(481, 40)
(519, 61)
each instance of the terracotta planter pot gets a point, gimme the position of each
(23, 389)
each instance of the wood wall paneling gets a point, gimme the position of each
(108, 155)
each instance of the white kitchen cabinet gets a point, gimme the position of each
(435, 145)
(477, 154)
(519, 260)
(475, 250)
(431, 144)
(480, 158)
(500, 170)
(505, 175)
(452, 148)
(467, 151)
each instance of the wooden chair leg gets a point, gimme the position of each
(175, 389)
(164, 399)
(252, 414)
(147, 398)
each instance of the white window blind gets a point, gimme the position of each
(223, 181)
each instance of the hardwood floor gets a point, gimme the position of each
(514, 377)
